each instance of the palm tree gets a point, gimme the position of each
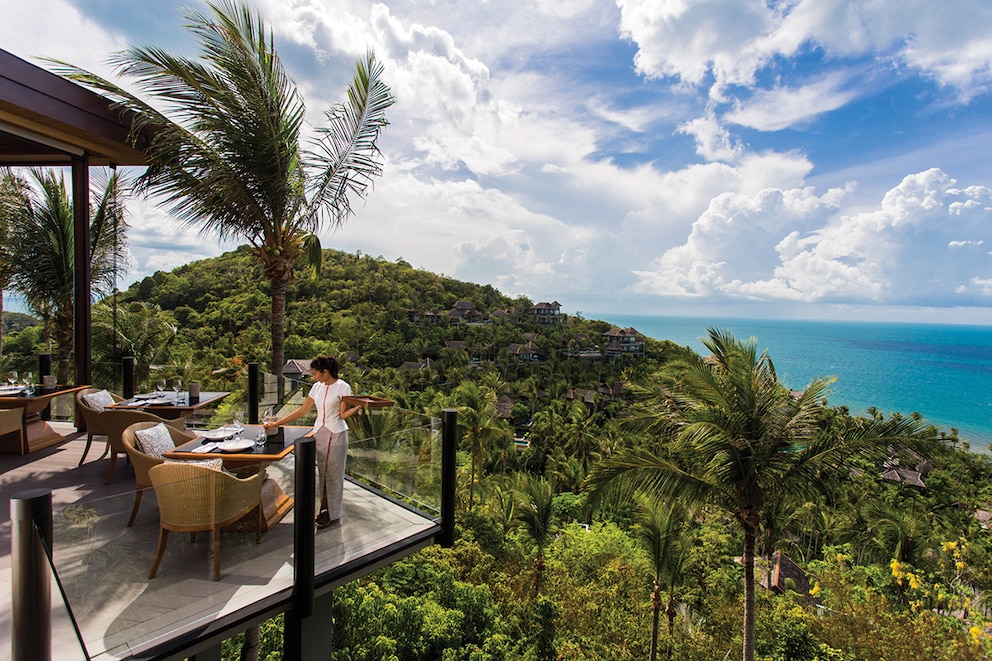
(536, 514)
(141, 330)
(227, 154)
(13, 197)
(661, 529)
(740, 440)
(42, 255)
(482, 428)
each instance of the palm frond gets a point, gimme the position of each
(346, 153)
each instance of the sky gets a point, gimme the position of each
(815, 159)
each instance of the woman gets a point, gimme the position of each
(330, 431)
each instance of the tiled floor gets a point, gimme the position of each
(103, 564)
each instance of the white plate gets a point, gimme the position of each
(237, 445)
(217, 434)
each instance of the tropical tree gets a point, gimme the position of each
(227, 154)
(738, 440)
(481, 426)
(13, 199)
(662, 531)
(536, 514)
(141, 330)
(42, 253)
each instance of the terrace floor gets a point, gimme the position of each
(103, 564)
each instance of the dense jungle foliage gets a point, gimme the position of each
(540, 570)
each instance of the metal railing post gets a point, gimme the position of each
(31, 601)
(128, 368)
(303, 544)
(303, 549)
(254, 393)
(44, 369)
(449, 447)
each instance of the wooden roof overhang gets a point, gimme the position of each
(46, 120)
(49, 121)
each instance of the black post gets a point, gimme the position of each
(44, 366)
(44, 369)
(449, 447)
(254, 393)
(128, 367)
(31, 602)
(303, 549)
(82, 318)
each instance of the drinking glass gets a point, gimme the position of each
(238, 423)
(160, 386)
(29, 383)
(270, 416)
(177, 385)
(260, 437)
(12, 377)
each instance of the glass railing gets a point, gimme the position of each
(103, 564)
(399, 452)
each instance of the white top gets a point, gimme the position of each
(328, 401)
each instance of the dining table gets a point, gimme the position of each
(241, 454)
(169, 405)
(34, 433)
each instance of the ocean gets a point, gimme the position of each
(943, 372)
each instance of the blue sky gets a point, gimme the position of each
(791, 158)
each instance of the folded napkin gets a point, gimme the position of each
(206, 447)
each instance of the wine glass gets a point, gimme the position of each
(29, 382)
(238, 423)
(12, 377)
(177, 385)
(160, 386)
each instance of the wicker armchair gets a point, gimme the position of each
(12, 422)
(115, 421)
(142, 463)
(91, 418)
(192, 498)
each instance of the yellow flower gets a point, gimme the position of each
(949, 546)
(914, 581)
(815, 590)
(960, 565)
(976, 633)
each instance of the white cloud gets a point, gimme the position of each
(922, 245)
(730, 40)
(56, 29)
(691, 40)
(782, 107)
(713, 142)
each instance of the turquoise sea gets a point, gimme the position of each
(944, 372)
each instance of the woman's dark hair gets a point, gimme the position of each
(325, 363)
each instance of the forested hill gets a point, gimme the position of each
(357, 303)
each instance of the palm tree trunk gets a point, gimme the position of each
(1, 327)
(670, 612)
(278, 328)
(471, 484)
(64, 338)
(655, 618)
(749, 543)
